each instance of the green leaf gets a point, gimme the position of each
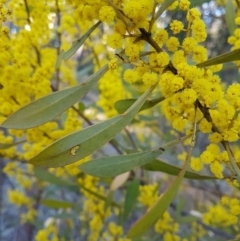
(186, 219)
(195, 3)
(65, 215)
(82, 143)
(163, 7)
(113, 166)
(223, 58)
(108, 200)
(179, 207)
(122, 105)
(182, 217)
(59, 59)
(230, 16)
(81, 106)
(48, 107)
(5, 146)
(100, 196)
(131, 197)
(75, 46)
(157, 210)
(44, 175)
(52, 203)
(157, 165)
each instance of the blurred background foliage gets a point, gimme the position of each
(64, 203)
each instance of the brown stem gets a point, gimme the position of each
(148, 38)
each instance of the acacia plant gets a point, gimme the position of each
(143, 60)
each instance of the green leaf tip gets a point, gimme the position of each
(157, 165)
(52, 203)
(113, 166)
(223, 58)
(75, 46)
(48, 107)
(122, 105)
(230, 16)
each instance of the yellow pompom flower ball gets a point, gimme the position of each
(107, 14)
(150, 79)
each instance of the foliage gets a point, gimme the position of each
(158, 89)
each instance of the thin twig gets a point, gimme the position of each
(189, 154)
(174, 142)
(58, 16)
(232, 159)
(28, 12)
(153, 16)
(148, 38)
(225, 144)
(209, 190)
(29, 22)
(131, 139)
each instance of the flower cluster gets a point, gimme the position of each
(223, 214)
(154, 57)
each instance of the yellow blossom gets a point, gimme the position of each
(150, 79)
(106, 14)
(176, 26)
(172, 44)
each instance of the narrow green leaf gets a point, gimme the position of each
(195, 3)
(157, 210)
(131, 198)
(163, 7)
(81, 106)
(48, 107)
(238, 179)
(5, 146)
(59, 59)
(82, 143)
(223, 58)
(52, 203)
(181, 216)
(138, 239)
(65, 215)
(113, 166)
(179, 208)
(122, 105)
(230, 16)
(75, 46)
(157, 165)
(44, 175)
(100, 196)
(108, 200)
(186, 219)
